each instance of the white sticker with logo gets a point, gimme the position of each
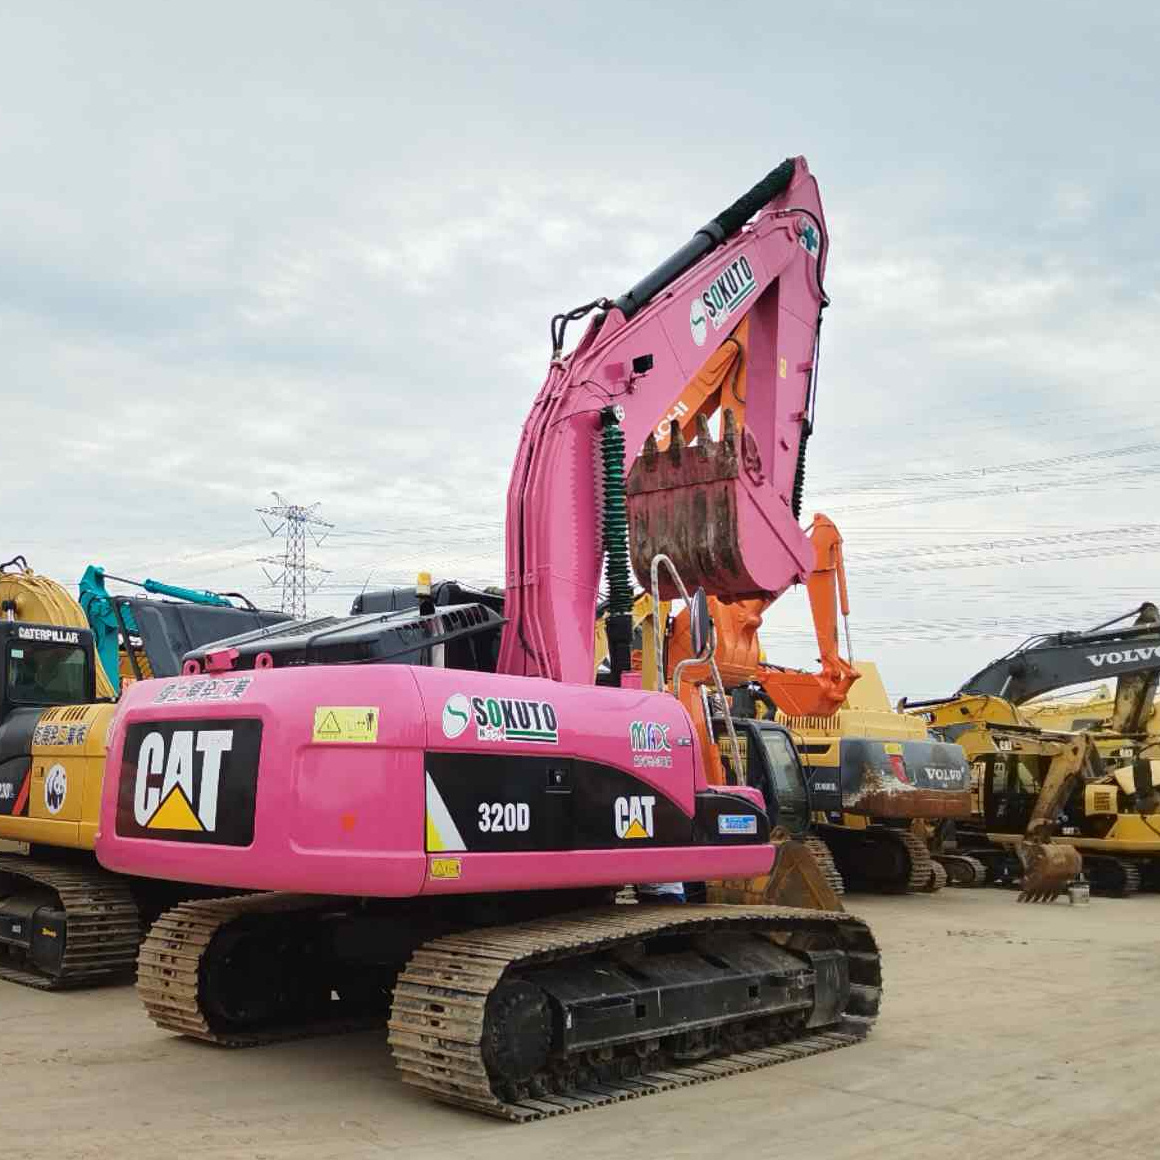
(736, 824)
(633, 816)
(722, 299)
(54, 733)
(55, 789)
(183, 691)
(649, 741)
(501, 719)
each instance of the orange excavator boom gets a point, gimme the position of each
(818, 694)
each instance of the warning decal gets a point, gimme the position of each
(346, 723)
(446, 868)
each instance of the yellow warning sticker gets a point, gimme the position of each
(446, 867)
(893, 748)
(346, 723)
(781, 368)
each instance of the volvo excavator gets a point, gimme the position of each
(429, 821)
(1109, 810)
(65, 922)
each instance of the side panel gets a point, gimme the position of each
(57, 803)
(337, 785)
(340, 796)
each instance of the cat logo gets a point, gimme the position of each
(190, 781)
(175, 804)
(634, 816)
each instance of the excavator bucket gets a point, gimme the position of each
(797, 880)
(1047, 869)
(697, 504)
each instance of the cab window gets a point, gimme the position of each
(787, 779)
(45, 674)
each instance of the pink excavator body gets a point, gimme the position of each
(396, 780)
(251, 789)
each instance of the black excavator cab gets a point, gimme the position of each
(40, 665)
(771, 764)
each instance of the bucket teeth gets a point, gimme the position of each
(683, 503)
(1047, 870)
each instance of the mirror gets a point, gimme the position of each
(700, 625)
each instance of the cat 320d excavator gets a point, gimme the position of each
(64, 922)
(439, 823)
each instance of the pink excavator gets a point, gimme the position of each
(440, 804)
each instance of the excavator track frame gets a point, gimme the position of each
(102, 925)
(962, 870)
(1112, 877)
(171, 971)
(438, 1014)
(842, 843)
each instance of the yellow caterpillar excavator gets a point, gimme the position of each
(1110, 817)
(64, 921)
(1110, 812)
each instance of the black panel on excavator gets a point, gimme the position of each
(170, 629)
(460, 636)
(700, 982)
(443, 593)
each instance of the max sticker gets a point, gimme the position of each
(649, 741)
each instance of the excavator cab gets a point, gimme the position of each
(772, 766)
(45, 665)
(1011, 785)
(40, 665)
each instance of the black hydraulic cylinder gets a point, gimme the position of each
(708, 237)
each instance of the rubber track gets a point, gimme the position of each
(937, 879)
(168, 970)
(102, 925)
(437, 1014)
(921, 862)
(966, 863)
(918, 876)
(826, 863)
(1130, 878)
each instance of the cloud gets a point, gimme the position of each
(315, 249)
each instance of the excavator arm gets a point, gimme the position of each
(738, 651)
(734, 314)
(818, 694)
(1070, 658)
(1048, 867)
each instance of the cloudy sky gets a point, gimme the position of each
(314, 247)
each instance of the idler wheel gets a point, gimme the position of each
(517, 1031)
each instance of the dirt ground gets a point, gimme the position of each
(1006, 1030)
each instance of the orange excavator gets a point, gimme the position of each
(871, 773)
(738, 651)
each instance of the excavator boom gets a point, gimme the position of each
(724, 511)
